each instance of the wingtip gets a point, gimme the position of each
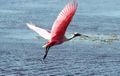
(29, 24)
(75, 2)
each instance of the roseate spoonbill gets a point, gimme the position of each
(57, 34)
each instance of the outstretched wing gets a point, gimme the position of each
(64, 18)
(42, 32)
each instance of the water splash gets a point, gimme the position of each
(102, 38)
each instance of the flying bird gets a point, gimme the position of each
(57, 34)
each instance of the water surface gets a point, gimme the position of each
(21, 52)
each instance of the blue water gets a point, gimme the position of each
(21, 52)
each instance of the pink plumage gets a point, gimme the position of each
(57, 34)
(61, 23)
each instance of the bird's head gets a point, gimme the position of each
(77, 34)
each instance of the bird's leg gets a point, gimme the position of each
(46, 52)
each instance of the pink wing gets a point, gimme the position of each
(63, 20)
(42, 32)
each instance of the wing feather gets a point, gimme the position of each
(42, 32)
(61, 23)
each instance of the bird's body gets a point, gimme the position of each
(57, 34)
